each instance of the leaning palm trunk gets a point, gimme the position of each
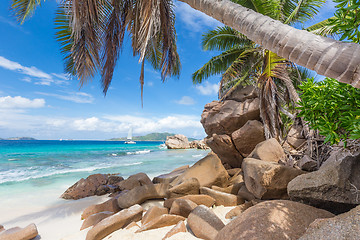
(326, 56)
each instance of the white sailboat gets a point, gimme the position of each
(129, 138)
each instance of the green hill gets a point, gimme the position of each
(149, 137)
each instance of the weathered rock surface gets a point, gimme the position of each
(267, 180)
(209, 171)
(307, 164)
(153, 213)
(198, 199)
(269, 151)
(345, 226)
(115, 222)
(140, 194)
(110, 205)
(334, 187)
(168, 177)
(95, 218)
(204, 223)
(182, 207)
(223, 146)
(190, 186)
(228, 116)
(161, 221)
(88, 187)
(136, 180)
(222, 198)
(238, 210)
(17, 233)
(179, 227)
(177, 141)
(248, 136)
(241, 93)
(198, 144)
(272, 220)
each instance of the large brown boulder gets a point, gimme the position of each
(236, 211)
(161, 221)
(272, 220)
(182, 207)
(228, 116)
(295, 137)
(344, 226)
(153, 213)
(110, 205)
(209, 171)
(17, 233)
(140, 194)
(223, 146)
(334, 187)
(221, 198)
(136, 180)
(188, 187)
(269, 150)
(115, 222)
(177, 141)
(198, 199)
(204, 223)
(232, 189)
(267, 180)
(85, 187)
(95, 218)
(248, 136)
(169, 177)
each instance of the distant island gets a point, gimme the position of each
(149, 137)
(18, 138)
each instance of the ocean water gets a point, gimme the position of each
(39, 171)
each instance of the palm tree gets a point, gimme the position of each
(151, 25)
(243, 61)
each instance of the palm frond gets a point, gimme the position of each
(24, 8)
(270, 8)
(323, 28)
(113, 40)
(217, 64)
(223, 38)
(300, 10)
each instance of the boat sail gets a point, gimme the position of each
(129, 138)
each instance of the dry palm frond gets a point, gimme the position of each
(113, 40)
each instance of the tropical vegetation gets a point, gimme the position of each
(332, 108)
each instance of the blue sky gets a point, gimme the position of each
(38, 100)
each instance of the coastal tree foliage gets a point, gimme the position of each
(345, 23)
(242, 61)
(332, 108)
(96, 28)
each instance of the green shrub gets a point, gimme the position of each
(331, 107)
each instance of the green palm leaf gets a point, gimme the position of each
(24, 8)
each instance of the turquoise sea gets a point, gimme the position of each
(38, 172)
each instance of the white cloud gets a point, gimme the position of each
(208, 88)
(194, 19)
(26, 79)
(19, 102)
(186, 100)
(41, 77)
(77, 97)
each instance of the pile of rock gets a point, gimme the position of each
(180, 141)
(233, 126)
(258, 191)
